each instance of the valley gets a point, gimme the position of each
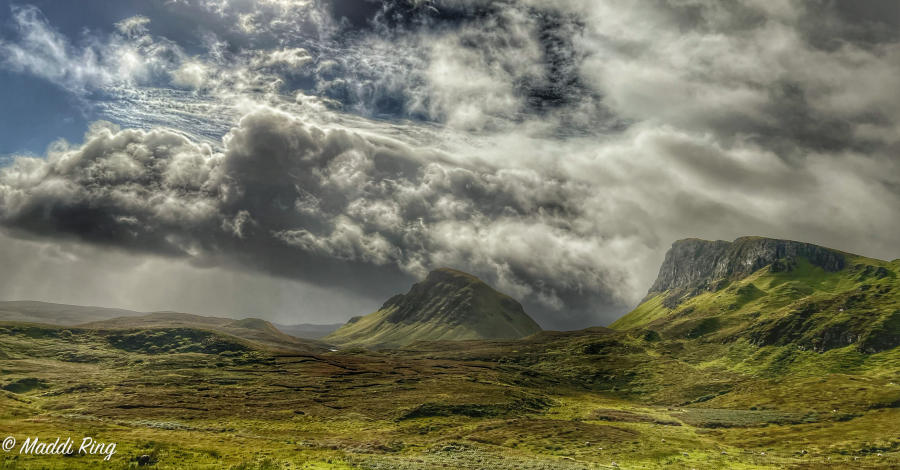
(789, 362)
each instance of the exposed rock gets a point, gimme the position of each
(693, 266)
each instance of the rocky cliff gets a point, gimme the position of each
(770, 292)
(694, 265)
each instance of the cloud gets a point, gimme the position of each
(43, 52)
(369, 213)
(134, 26)
(292, 58)
(127, 57)
(284, 194)
(554, 148)
(190, 75)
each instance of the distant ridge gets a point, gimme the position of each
(447, 305)
(57, 314)
(253, 329)
(309, 330)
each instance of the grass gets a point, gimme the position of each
(695, 386)
(803, 306)
(559, 401)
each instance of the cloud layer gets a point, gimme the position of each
(554, 148)
(321, 205)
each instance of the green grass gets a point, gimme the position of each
(690, 387)
(649, 310)
(803, 306)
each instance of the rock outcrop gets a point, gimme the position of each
(694, 265)
(772, 293)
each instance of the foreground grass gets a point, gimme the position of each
(582, 400)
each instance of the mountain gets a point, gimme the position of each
(718, 368)
(447, 305)
(772, 292)
(57, 314)
(309, 330)
(253, 329)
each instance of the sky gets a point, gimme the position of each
(304, 160)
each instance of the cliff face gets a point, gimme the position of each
(694, 265)
(772, 293)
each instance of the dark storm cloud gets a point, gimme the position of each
(325, 206)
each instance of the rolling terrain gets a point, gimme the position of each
(251, 329)
(57, 314)
(756, 353)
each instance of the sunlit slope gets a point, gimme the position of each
(447, 305)
(773, 292)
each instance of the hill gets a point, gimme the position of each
(57, 314)
(673, 388)
(447, 305)
(554, 400)
(252, 329)
(772, 292)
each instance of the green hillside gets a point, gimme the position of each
(447, 305)
(814, 298)
(190, 398)
(751, 354)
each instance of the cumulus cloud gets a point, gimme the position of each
(288, 197)
(190, 75)
(284, 195)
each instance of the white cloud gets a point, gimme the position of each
(133, 26)
(190, 75)
(292, 58)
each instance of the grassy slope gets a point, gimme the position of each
(493, 318)
(308, 330)
(375, 330)
(573, 400)
(805, 306)
(698, 386)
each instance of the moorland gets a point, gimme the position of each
(755, 353)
